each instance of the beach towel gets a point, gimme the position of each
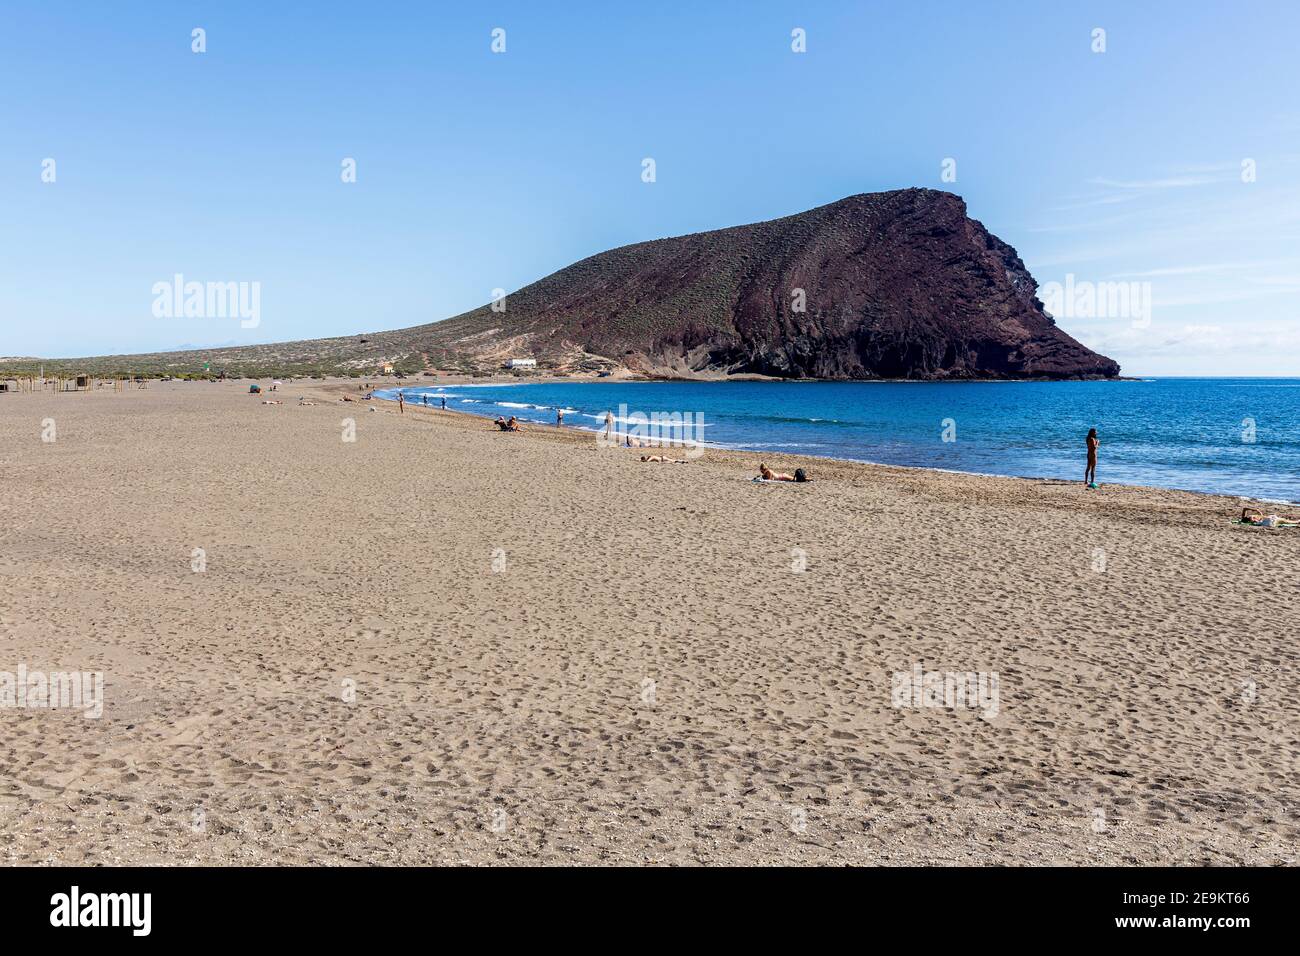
(800, 477)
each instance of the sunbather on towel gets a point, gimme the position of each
(664, 459)
(767, 474)
(1261, 520)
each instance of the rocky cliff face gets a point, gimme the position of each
(887, 285)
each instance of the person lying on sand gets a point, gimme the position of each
(267, 401)
(1261, 520)
(767, 474)
(303, 401)
(347, 398)
(664, 459)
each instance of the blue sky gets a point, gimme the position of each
(478, 170)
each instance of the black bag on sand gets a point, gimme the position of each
(800, 475)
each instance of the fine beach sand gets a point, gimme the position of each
(503, 602)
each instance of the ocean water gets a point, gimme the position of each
(1228, 436)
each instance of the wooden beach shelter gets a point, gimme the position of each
(10, 385)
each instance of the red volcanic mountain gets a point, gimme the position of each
(892, 285)
(882, 285)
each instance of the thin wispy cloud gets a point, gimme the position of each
(1168, 182)
(1222, 297)
(1193, 169)
(1111, 200)
(1211, 268)
(1068, 226)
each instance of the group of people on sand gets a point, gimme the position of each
(512, 425)
(401, 401)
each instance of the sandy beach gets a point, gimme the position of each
(439, 643)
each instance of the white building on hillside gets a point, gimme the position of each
(521, 363)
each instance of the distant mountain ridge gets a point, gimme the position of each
(898, 284)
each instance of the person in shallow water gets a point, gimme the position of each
(1090, 470)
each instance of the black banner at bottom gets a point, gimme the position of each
(335, 906)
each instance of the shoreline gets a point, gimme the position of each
(808, 460)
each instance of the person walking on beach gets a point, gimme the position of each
(1090, 472)
(444, 403)
(401, 404)
(609, 424)
(559, 418)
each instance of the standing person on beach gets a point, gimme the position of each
(609, 423)
(401, 403)
(559, 418)
(1090, 472)
(444, 403)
